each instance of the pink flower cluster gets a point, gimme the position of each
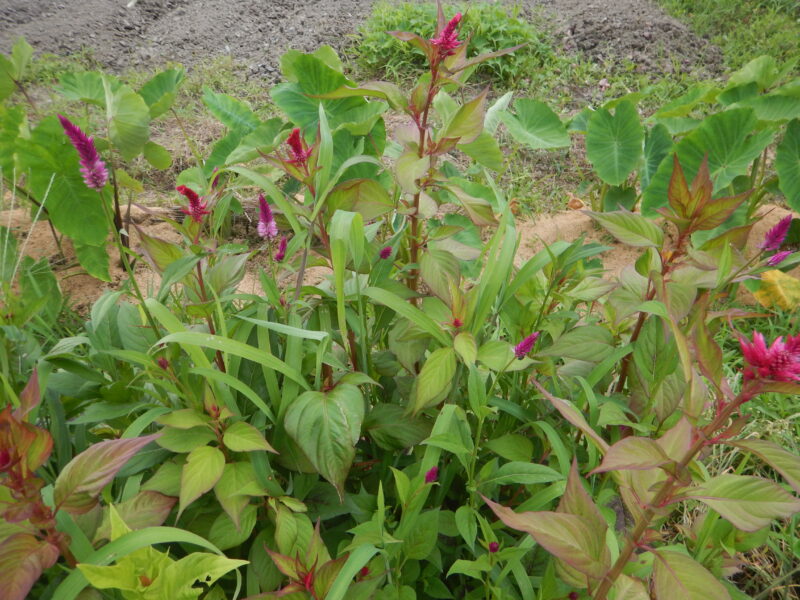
(447, 41)
(778, 362)
(774, 239)
(522, 349)
(197, 208)
(95, 174)
(298, 148)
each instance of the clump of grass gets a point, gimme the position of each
(744, 29)
(491, 26)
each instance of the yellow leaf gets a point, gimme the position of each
(779, 289)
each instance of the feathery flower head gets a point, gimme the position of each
(776, 235)
(281, 253)
(432, 475)
(197, 208)
(385, 252)
(778, 362)
(298, 148)
(267, 228)
(778, 258)
(522, 349)
(95, 174)
(447, 40)
(493, 547)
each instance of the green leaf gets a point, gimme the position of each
(633, 453)
(535, 125)
(158, 156)
(614, 142)
(412, 313)
(787, 164)
(160, 91)
(178, 580)
(676, 575)
(434, 380)
(656, 148)
(326, 426)
(243, 437)
(592, 343)
(522, 473)
(185, 440)
(225, 534)
(464, 344)
(94, 259)
(392, 429)
(630, 228)
(365, 196)
(440, 271)
(354, 563)
(485, 150)
(84, 477)
(512, 446)
(128, 118)
(203, 468)
(422, 540)
(86, 86)
(730, 139)
(232, 113)
(21, 53)
(763, 71)
(467, 123)
(783, 461)
(569, 537)
(409, 168)
(750, 503)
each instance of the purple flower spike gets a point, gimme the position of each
(385, 252)
(447, 40)
(432, 475)
(95, 174)
(197, 208)
(267, 228)
(776, 235)
(281, 253)
(778, 258)
(522, 349)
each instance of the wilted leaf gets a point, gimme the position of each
(778, 289)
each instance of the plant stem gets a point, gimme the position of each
(665, 491)
(209, 319)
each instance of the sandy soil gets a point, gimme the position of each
(257, 32)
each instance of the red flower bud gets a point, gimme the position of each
(432, 475)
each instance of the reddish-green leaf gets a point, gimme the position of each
(201, 472)
(22, 560)
(30, 397)
(80, 483)
(467, 123)
(750, 503)
(678, 576)
(783, 461)
(633, 453)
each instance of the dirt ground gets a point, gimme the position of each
(131, 33)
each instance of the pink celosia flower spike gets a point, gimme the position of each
(197, 208)
(281, 253)
(776, 235)
(447, 40)
(297, 146)
(779, 362)
(522, 349)
(385, 252)
(778, 258)
(95, 174)
(267, 228)
(432, 475)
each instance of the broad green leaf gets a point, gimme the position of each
(512, 446)
(657, 145)
(434, 380)
(630, 228)
(750, 503)
(23, 558)
(260, 141)
(485, 150)
(422, 540)
(730, 139)
(145, 509)
(160, 91)
(783, 461)
(409, 168)
(225, 534)
(535, 125)
(763, 71)
(685, 104)
(467, 525)
(128, 118)
(464, 344)
(522, 473)
(326, 426)
(614, 142)
(633, 453)
(440, 271)
(412, 313)
(569, 537)
(467, 123)
(243, 437)
(676, 575)
(185, 440)
(86, 86)
(203, 468)
(787, 164)
(94, 259)
(628, 588)
(591, 343)
(178, 581)
(774, 107)
(7, 85)
(21, 53)
(392, 429)
(232, 113)
(365, 196)
(158, 156)
(84, 477)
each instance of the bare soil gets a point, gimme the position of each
(257, 32)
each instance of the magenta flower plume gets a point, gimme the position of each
(432, 475)
(522, 349)
(447, 40)
(779, 362)
(267, 228)
(494, 547)
(95, 174)
(297, 147)
(281, 253)
(776, 235)
(385, 252)
(778, 258)
(197, 208)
